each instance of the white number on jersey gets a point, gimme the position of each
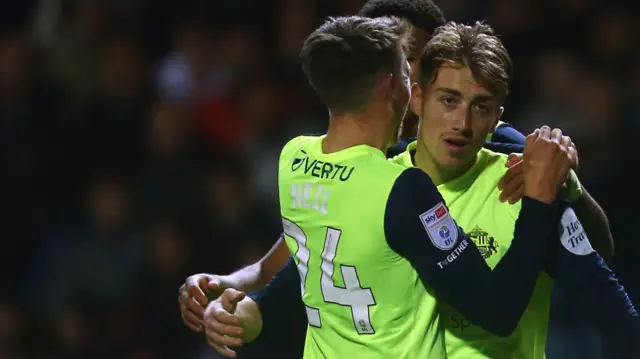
(352, 295)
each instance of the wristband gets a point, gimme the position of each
(574, 188)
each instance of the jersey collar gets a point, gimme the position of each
(459, 184)
(354, 151)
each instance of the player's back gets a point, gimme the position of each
(363, 299)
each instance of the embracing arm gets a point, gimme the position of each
(279, 301)
(596, 224)
(594, 291)
(259, 274)
(506, 139)
(419, 228)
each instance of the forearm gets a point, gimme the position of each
(596, 225)
(250, 319)
(244, 279)
(256, 276)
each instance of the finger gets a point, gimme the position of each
(556, 135)
(213, 285)
(517, 195)
(195, 308)
(573, 156)
(223, 340)
(512, 186)
(221, 349)
(224, 329)
(230, 299)
(191, 316)
(544, 133)
(513, 158)
(188, 322)
(225, 318)
(511, 173)
(196, 292)
(566, 141)
(531, 138)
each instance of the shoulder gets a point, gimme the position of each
(399, 147)
(494, 161)
(506, 133)
(298, 141)
(410, 185)
(295, 145)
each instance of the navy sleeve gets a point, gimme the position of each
(419, 228)
(507, 134)
(583, 275)
(506, 140)
(279, 296)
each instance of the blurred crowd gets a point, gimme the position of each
(139, 143)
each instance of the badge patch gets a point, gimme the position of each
(440, 227)
(487, 245)
(572, 235)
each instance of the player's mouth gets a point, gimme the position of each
(457, 144)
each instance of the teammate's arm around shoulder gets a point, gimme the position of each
(419, 227)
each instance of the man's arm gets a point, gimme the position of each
(596, 224)
(593, 289)
(199, 289)
(259, 319)
(275, 302)
(507, 139)
(583, 274)
(259, 274)
(416, 216)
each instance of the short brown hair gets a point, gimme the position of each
(346, 57)
(473, 46)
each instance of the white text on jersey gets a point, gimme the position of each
(309, 195)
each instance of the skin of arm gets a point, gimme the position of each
(596, 224)
(259, 274)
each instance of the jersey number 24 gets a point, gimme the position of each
(351, 295)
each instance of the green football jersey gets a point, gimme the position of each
(473, 200)
(362, 299)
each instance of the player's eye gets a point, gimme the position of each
(448, 101)
(482, 108)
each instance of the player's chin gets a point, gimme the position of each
(453, 161)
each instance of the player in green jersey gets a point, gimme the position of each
(369, 236)
(465, 75)
(465, 72)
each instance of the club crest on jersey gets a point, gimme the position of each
(440, 227)
(572, 235)
(487, 245)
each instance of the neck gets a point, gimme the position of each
(354, 129)
(439, 175)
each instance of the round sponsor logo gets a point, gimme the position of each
(444, 232)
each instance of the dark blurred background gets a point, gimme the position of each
(139, 143)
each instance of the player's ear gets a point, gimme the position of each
(416, 99)
(386, 87)
(497, 121)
